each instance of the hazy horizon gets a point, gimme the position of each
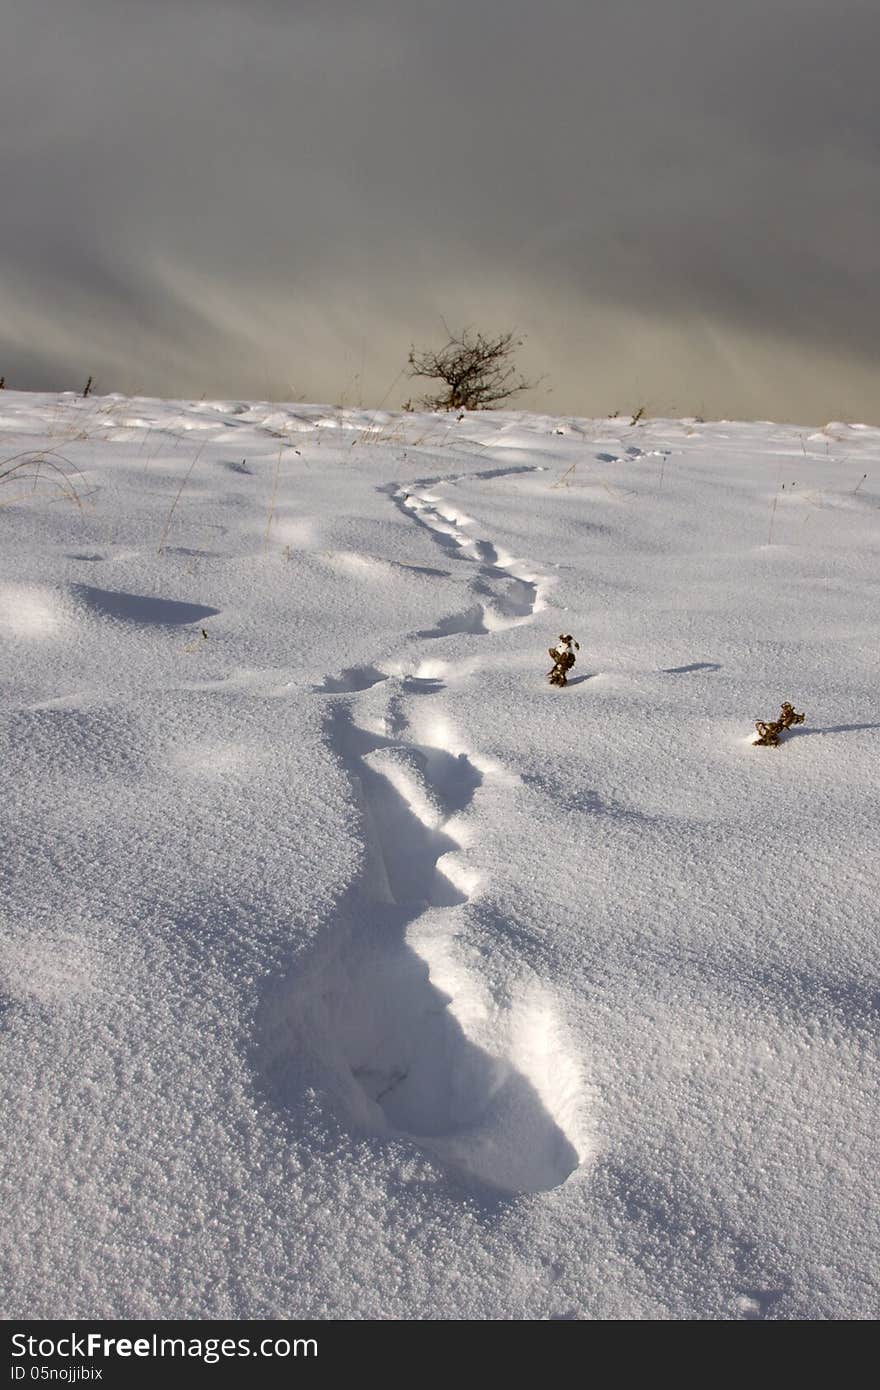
(677, 206)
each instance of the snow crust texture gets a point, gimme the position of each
(347, 969)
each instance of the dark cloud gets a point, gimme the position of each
(676, 201)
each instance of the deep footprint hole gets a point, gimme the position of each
(393, 1058)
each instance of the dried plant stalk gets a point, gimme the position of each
(769, 734)
(563, 659)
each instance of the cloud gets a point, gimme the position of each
(675, 201)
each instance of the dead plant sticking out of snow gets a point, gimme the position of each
(769, 734)
(563, 659)
(39, 468)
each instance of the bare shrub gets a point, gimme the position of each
(477, 371)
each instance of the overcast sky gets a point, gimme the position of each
(677, 202)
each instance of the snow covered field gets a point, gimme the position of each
(350, 970)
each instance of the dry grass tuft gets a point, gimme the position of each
(40, 468)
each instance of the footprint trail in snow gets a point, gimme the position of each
(408, 1038)
(507, 592)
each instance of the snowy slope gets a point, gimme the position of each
(350, 970)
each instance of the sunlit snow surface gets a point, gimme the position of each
(350, 970)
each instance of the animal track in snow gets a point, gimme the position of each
(508, 593)
(471, 620)
(407, 1040)
(351, 678)
(632, 453)
(424, 681)
(396, 1044)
